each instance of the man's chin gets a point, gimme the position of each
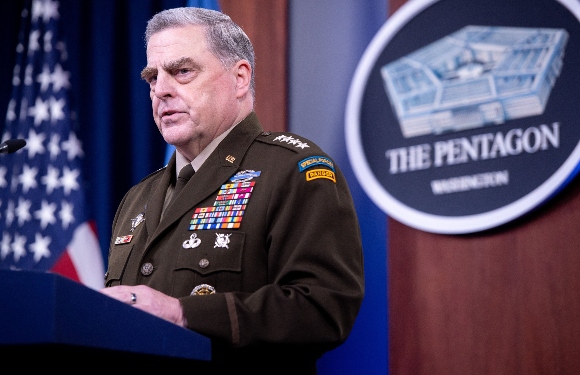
(172, 136)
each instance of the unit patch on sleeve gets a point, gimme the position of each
(315, 160)
(320, 173)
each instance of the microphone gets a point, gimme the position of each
(12, 145)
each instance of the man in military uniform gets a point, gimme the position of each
(260, 249)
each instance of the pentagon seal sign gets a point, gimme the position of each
(462, 117)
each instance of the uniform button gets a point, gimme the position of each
(106, 274)
(204, 263)
(146, 269)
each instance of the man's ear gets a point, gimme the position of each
(243, 72)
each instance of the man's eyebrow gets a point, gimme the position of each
(148, 72)
(168, 66)
(176, 64)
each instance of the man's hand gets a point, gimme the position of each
(149, 300)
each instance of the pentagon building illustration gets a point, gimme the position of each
(476, 76)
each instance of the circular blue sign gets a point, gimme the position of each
(463, 116)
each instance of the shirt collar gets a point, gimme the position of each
(181, 161)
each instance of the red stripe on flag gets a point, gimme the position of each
(65, 267)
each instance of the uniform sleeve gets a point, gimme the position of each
(315, 269)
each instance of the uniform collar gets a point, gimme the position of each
(181, 161)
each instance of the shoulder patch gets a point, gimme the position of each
(315, 174)
(315, 160)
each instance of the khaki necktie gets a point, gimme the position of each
(184, 175)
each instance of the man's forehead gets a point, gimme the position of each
(175, 44)
(176, 36)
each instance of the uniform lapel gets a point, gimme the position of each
(157, 197)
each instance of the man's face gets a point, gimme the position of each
(193, 96)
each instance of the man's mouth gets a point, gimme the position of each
(169, 116)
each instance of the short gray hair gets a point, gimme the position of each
(226, 40)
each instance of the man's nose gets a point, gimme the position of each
(164, 86)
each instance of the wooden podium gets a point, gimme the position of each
(48, 321)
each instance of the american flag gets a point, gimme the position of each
(43, 217)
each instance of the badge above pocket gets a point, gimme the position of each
(206, 251)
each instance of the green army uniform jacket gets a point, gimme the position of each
(262, 247)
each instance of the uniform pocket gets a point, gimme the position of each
(117, 263)
(207, 251)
